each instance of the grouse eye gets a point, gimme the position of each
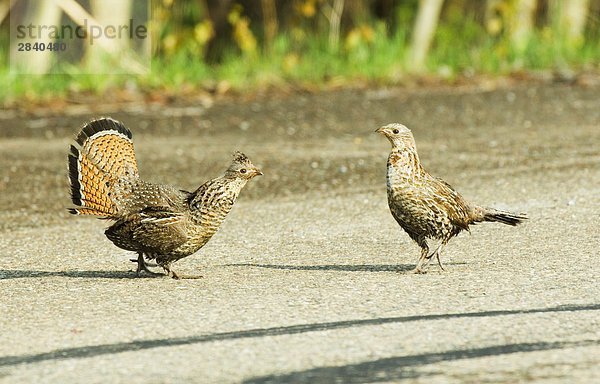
(396, 131)
(243, 170)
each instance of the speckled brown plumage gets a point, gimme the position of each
(159, 222)
(426, 207)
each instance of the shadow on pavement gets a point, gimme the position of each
(104, 349)
(334, 267)
(400, 367)
(339, 267)
(23, 274)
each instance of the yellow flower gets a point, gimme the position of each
(290, 62)
(203, 32)
(308, 8)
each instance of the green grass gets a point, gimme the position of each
(310, 62)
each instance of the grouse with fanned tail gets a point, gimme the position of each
(158, 222)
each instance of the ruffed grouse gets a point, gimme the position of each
(426, 207)
(157, 221)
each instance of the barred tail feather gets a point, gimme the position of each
(107, 143)
(504, 217)
(89, 211)
(90, 187)
(104, 156)
(74, 176)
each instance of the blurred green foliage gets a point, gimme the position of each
(223, 44)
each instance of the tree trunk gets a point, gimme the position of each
(108, 12)
(333, 13)
(570, 17)
(122, 61)
(424, 30)
(39, 13)
(521, 23)
(5, 6)
(218, 11)
(269, 13)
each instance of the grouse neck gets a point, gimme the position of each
(406, 157)
(219, 191)
(236, 183)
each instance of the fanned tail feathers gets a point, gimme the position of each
(102, 156)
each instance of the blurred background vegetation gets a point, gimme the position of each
(244, 45)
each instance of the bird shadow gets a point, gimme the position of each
(338, 267)
(333, 267)
(24, 274)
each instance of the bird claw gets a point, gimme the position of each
(143, 272)
(142, 267)
(188, 277)
(176, 276)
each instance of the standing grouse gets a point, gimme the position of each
(159, 222)
(426, 207)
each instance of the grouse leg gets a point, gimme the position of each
(176, 276)
(423, 260)
(142, 266)
(438, 253)
(147, 264)
(168, 271)
(173, 274)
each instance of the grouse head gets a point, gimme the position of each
(398, 135)
(242, 167)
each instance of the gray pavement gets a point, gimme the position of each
(313, 284)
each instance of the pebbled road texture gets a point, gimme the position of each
(307, 281)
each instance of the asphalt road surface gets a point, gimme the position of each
(308, 280)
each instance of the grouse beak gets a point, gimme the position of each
(257, 172)
(380, 130)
